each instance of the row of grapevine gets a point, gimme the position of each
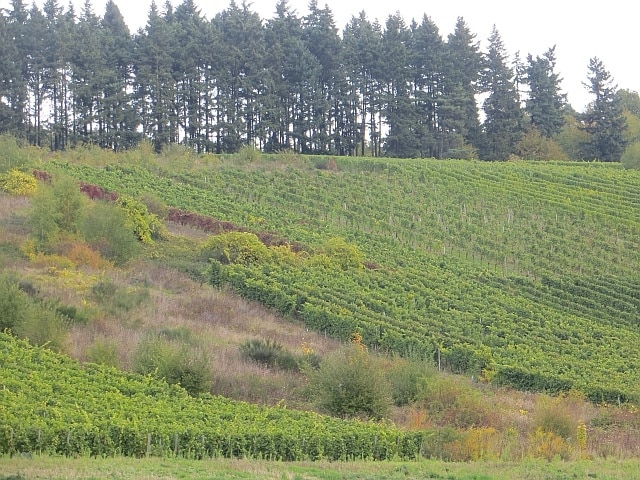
(525, 268)
(50, 404)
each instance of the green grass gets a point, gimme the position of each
(55, 468)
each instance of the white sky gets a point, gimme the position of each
(580, 30)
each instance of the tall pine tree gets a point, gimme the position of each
(545, 105)
(459, 116)
(502, 127)
(604, 118)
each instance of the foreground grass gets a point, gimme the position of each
(56, 468)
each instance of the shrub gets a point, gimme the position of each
(631, 156)
(248, 154)
(236, 247)
(104, 352)
(118, 300)
(13, 154)
(105, 229)
(553, 416)
(14, 303)
(29, 318)
(146, 226)
(345, 255)
(44, 326)
(269, 353)
(82, 254)
(16, 182)
(406, 381)
(351, 383)
(174, 361)
(449, 400)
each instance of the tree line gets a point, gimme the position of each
(291, 83)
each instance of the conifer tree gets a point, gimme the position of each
(361, 95)
(427, 65)
(17, 88)
(10, 114)
(322, 40)
(118, 118)
(399, 110)
(545, 105)
(502, 127)
(155, 88)
(604, 119)
(461, 72)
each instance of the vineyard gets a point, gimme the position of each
(522, 273)
(50, 404)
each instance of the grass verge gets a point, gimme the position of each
(56, 468)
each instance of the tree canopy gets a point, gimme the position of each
(291, 82)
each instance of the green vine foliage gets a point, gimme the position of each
(522, 273)
(50, 404)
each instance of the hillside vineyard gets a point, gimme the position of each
(519, 273)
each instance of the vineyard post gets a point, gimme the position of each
(148, 444)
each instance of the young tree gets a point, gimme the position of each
(503, 122)
(546, 104)
(604, 119)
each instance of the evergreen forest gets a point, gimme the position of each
(296, 83)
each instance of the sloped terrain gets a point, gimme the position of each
(524, 273)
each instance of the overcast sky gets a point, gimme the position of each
(580, 30)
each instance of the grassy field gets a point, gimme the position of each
(165, 469)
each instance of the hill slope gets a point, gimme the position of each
(50, 404)
(525, 273)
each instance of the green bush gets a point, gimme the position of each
(631, 156)
(552, 416)
(16, 182)
(105, 229)
(345, 255)
(407, 378)
(14, 304)
(176, 362)
(269, 353)
(351, 383)
(29, 318)
(236, 247)
(43, 326)
(13, 154)
(118, 300)
(450, 400)
(248, 154)
(146, 226)
(104, 352)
